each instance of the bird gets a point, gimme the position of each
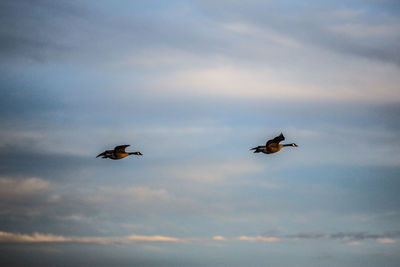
(272, 146)
(117, 153)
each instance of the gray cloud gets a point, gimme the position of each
(193, 85)
(45, 31)
(40, 164)
(347, 236)
(34, 29)
(314, 26)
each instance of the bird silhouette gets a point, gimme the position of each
(272, 146)
(118, 153)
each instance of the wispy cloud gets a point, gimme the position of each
(211, 172)
(219, 238)
(354, 243)
(194, 85)
(348, 238)
(22, 187)
(6, 237)
(25, 195)
(352, 238)
(386, 240)
(259, 238)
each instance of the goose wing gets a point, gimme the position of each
(120, 149)
(102, 154)
(105, 154)
(276, 140)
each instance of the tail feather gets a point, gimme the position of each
(256, 149)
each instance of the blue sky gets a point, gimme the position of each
(194, 85)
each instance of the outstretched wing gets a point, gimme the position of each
(102, 154)
(276, 140)
(105, 154)
(120, 149)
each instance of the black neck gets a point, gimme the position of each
(288, 145)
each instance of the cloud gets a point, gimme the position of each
(353, 238)
(359, 30)
(354, 243)
(211, 172)
(259, 238)
(40, 199)
(19, 34)
(25, 196)
(386, 240)
(34, 238)
(138, 199)
(155, 238)
(264, 81)
(331, 137)
(6, 237)
(194, 90)
(219, 238)
(131, 195)
(22, 187)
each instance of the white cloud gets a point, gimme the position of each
(273, 83)
(234, 82)
(155, 238)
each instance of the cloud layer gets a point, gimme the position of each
(194, 85)
(350, 238)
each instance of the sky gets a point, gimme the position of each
(193, 85)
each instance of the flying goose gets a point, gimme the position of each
(272, 145)
(117, 153)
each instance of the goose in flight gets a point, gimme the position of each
(117, 153)
(272, 145)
